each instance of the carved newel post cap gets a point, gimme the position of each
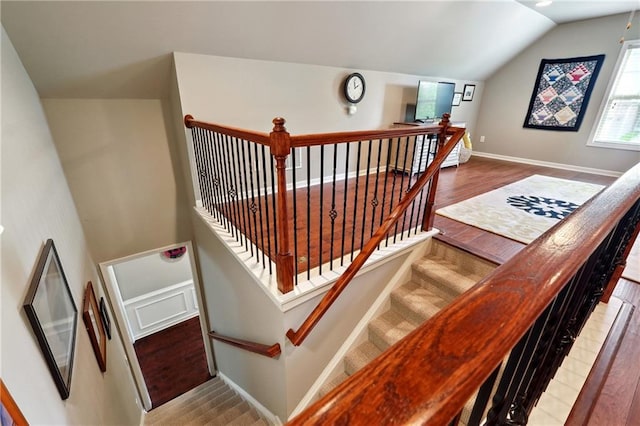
(278, 124)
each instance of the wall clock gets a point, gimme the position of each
(354, 87)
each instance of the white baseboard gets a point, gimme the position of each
(548, 164)
(273, 419)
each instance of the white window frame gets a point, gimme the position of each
(635, 44)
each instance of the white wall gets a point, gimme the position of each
(118, 160)
(250, 93)
(507, 94)
(149, 273)
(37, 205)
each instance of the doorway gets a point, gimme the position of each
(159, 313)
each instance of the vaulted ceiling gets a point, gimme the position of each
(108, 49)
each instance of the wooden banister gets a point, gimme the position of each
(297, 337)
(429, 375)
(259, 137)
(259, 348)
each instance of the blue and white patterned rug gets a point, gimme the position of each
(525, 209)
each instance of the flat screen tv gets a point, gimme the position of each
(434, 99)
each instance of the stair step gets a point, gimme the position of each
(416, 303)
(187, 402)
(362, 355)
(443, 277)
(389, 328)
(464, 260)
(328, 387)
(247, 418)
(209, 406)
(234, 412)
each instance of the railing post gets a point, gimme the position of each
(429, 211)
(280, 147)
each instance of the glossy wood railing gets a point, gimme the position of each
(270, 351)
(239, 180)
(516, 313)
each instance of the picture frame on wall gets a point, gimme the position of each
(106, 321)
(457, 97)
(467, 93)
(10, 413)
(93, 323)
(53, 316)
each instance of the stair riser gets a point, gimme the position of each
(472, 264)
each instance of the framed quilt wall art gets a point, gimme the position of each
(561, 93)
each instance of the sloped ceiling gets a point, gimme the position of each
(107, 49)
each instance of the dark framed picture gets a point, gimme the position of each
(10, 413)
(561, 93)
(467, 93)
(106, 321)
(93, 324)
(53, 316)
(457, 97)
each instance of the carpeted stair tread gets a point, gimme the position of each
(212, 406)
(188, 401)
(443, 277)
(328, 387)
(416, 303)
(360, 356)
(248, 418)
(235, 411)
(389, 328)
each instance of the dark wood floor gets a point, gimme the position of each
(173, 361)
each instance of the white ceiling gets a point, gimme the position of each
(108, 49)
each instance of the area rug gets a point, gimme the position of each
(522, 210)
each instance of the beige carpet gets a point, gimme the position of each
(522, 210)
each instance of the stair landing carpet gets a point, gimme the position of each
(525, 209)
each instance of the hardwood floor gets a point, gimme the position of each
(173, 361)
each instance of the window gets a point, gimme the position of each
(618, 122)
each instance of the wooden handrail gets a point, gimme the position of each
(318, 139)
(259, 348)
(258, 137)
(429, 375)
(297, 337)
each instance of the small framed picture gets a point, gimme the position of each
(457, 97)
(106, 321)
(469, 90)
(93, 324)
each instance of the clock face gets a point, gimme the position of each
(354, 88)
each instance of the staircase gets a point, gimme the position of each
(436, 280)
(212, 403)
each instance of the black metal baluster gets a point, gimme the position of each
(273, 203)
(295, 216)
(203, 172)
(233, 190)
(195, 136)
(420, 207)
(386, 177)
(344, 200)
(393, 184)
(406, 151)
(415, 200)
(215, 183)
(320, 233)
(482, 399)
(366, 195)
(355, 200)
(260, 209)
(308, 212)
(333, 213)
(242, 217)
(253, 207)
(374, 201)
(225, 182)
(266, 205)
(245, 194)
(413, 159)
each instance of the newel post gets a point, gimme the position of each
(429, 211)
(280, 147)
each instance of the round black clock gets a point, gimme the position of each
(354, 87)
